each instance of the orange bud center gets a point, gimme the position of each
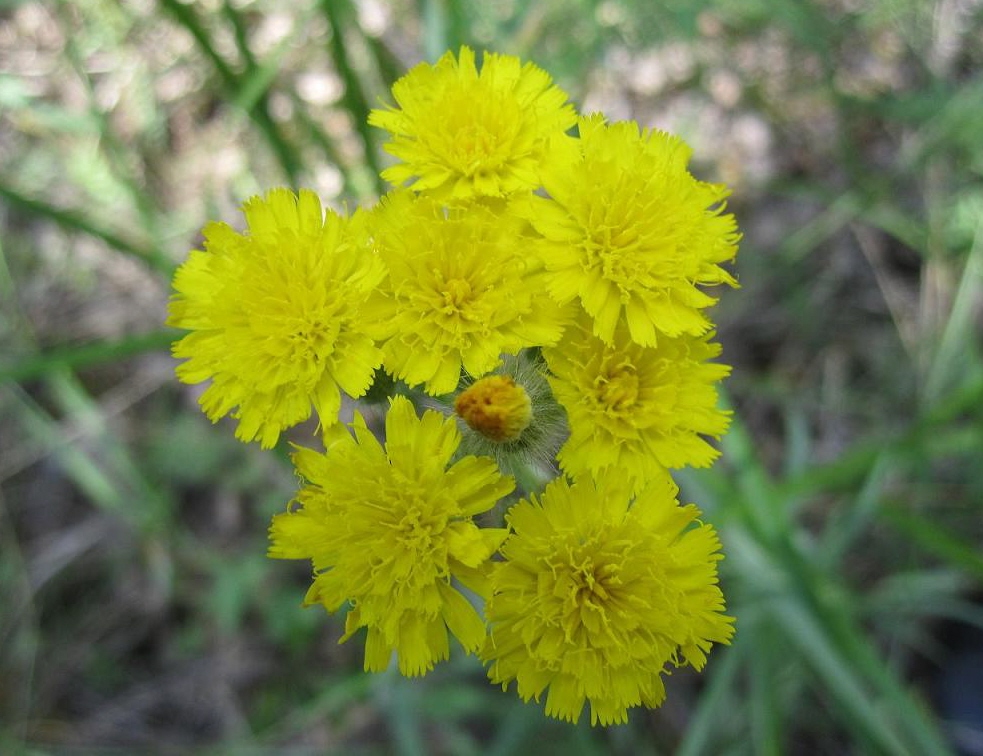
(496, 407)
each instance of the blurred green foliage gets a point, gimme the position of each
(140, 611)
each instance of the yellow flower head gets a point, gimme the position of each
(388, 527)
(630, 232)
(598, 594)
(461, 133)
(633, 408)
(459, 292)
(274, 315)
(495, 406)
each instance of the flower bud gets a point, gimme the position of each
(495, 406)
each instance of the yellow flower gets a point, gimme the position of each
(459, 292)
(636, 409)
(274, 315)
(459, 133)
(598, 594)
(387, 528)
(630, 232)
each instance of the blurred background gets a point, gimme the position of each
(138, 611)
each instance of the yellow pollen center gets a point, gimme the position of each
(480, 131)
(415, 532)
(317, 336)
(588, 584)
(311, 341)
(618, 391)
(477, 143)
(496, 407)
(457, 293)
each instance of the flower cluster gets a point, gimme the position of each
(539, 278)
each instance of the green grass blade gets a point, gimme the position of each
(855, 514)
(339, 15)
(259, 78)
(96, 483)
(76, 357)
(287, 156)
(926, 533)
(910, 716)
(716, 702)
(837, 675)
(852, 466)
(815, 617)
(766, 709)
(239, 32)
(520, 722)
(254, 85)
(389, 66)
(763, 511)
(102, 467)
(818, 617)
(396, 695)
(76, 221)
(957, 351)
(119, 157)
(436, 34)
(900, 603)
(186, 16)
(144, 503)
